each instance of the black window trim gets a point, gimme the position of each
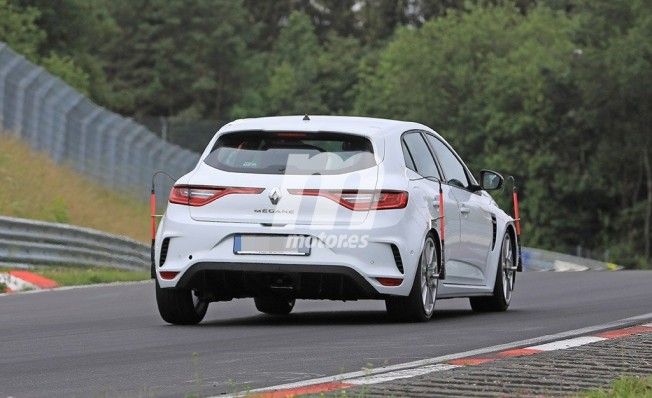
(469, 176)
(434, 158)
(404, 145)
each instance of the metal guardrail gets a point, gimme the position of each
(545, 260)
(43, 243)
(32, 242)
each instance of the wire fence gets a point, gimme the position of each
(192, 134)
(55, 118)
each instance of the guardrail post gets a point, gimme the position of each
(154, 159)
(48, 133)
(61, 143)
(22, 110)
(126, 155)
(101, 166)
(13, 62)
(114, 146)
(35, 123)
(142, 176)
(87, 128)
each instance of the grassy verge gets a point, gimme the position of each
(71, 276)
(625, 387)
(35, 187)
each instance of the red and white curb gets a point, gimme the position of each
(559, 341)
(17, 281)
(76, 287)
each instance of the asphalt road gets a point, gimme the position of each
(109, 341)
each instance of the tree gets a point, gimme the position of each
(71, 49)
(19, 30)
(301, 75)
(182, 56)
(65, 68)
(555, 92)
(292, 86)
(338, 64)
(616, 74)
(23, 28)
(488, 80)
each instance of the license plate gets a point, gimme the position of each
(284, 245)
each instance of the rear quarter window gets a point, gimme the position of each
(295, 153)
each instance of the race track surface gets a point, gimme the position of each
(110, 341)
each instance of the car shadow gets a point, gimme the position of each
(328, 318)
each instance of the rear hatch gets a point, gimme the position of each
(297, 178)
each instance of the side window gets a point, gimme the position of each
(423, 160)
(453, 168)
(409, 163)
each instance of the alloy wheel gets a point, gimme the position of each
(428, 262)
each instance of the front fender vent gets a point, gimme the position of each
(397, 257)
(164, 251)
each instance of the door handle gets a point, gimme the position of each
(465, 210)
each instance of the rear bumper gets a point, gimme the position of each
(190, 246)
(221, 281)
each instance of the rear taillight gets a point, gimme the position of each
(190, 195)
(360, 200)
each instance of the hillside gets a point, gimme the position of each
(33, 186)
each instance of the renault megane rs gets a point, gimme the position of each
(340, 208)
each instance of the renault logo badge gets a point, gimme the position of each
(275, 196)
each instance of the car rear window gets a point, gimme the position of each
(295, 153)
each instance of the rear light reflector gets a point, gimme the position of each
(290, 135)
(390, 281)
(196, 195)
(168, 275)
(359, 200)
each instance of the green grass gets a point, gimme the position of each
(72, 276)
(625, 387)
(33, 186)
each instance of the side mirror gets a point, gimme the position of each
(490, 180)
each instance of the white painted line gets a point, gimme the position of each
(344, 377)
(568, 343)
(401, 374)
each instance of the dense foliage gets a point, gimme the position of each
(556, 92)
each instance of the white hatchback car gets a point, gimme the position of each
(329, 207)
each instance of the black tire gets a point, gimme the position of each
(498, 301)
(412, 308)
(180, 306)
(274, 305)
